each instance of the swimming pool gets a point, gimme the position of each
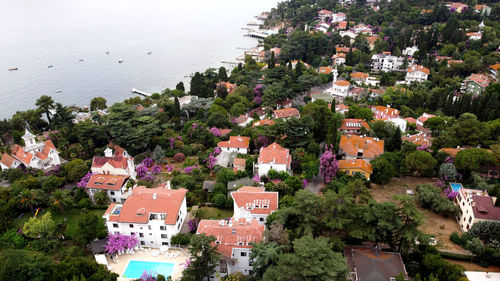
(456, 186)
(136, 268)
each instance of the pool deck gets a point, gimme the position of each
(147, 255)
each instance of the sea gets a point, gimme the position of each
(70, 49)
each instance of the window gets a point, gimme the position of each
(164, 236)
(141, 234)
(114, 200)
(164, 243)
(112, 192)
(131, 225)
(143, 243)
(163, 216)
(115, 225)
(132, 233)
(470, 219)
(261, 219)
(217, 242)
(243, 254)
(162, 227)
(151, 242)
(149, 227)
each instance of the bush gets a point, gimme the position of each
(455, 238)
(179, 157)
(430, 197)
(84, 203)
(220, 200)
(12, 239)
(181, 239)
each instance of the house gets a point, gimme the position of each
(360, 147)
(340, 108)
(185, 100)
(371, 41)
(116, 161)
(325, 70)
(254, 203)
(474, 35)
(410, 51)
(262, 123)
(324, 15)
(341, 26)
(494, 70)
(384, 112)
(373, 264)
(362, 29)
(239, 164)
(286, 113)
(233, 241)
(453, 62)
(34, 154)
(323, 27)
(340, 88)
(349, 33)
(424, 117)
(114, 185)
(482, 9)
(274, 157)
(475, 84)
(353, 166)
(243, 120)
(442, 58)
(376, 93)
(235, 144)
(385, 62)
(259, 112)
(417, 73)
(359, 77)
(451, 151)
(284, 104)
(398, 122)
(481, 275)
(419, 139)
(457, 7)
(475, 205)
(224, 132)
(410, 120)
(154, 215)
(339, 17)
(339, 58)
(353, 126)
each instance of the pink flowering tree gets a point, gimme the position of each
(215, 131)
(211, 160)
(328, 164)
(189, 169)
(156, 169)
(148, 162)
(119, 243)
(450, 193)
(256, 178)
(258, 92)
(148, 276)
(85, 180)
(186, 264)
(169, 168)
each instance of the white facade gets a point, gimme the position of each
(386, 63)
(127, 169)
(416, 74)
(464, 201)
(340, 88)
(409, 51)
(399, 122)
(115, 196)
(234, 150)
(265, 167)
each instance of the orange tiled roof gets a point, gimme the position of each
(235, 142)
(419, 68)
(254, 200)
(342, 83)
(359, 75)
(495, 66)
(19, 153)
(451, 151)
(477, 34)
(325, 12)
(141, 203)
(450, 62)
(342, 25)
(275, 153)
(411, 120)
(425, 117)
(263, 122)
(239, 233)
(224, 132)
(480, 79)
(7, 160)
(325, 70)
(351, 144)
(110, 182)
(350, 124)
(418, 139)
(239, 161)
(286, 112)
(355, 164)
(372, 39)
(387, 110)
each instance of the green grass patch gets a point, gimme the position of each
(214, 213)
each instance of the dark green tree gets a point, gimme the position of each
(204, 258)
(45, 104)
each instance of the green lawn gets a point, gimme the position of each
(71, 216)
(214, 213)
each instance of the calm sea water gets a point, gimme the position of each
(183, 37)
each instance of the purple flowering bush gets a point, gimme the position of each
(120, 243)
(85, 180)
(328, 164)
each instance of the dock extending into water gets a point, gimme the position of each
(135, 91)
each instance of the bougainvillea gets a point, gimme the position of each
(172, 143)
(193, 224)
(450, 193)
(258, 92)
(141, 170)
(187, 263)
(120, 243)
(148, 162)
(169, 168)
(256, 178)
(328, 165)
(215, 131)
(189, 169)
(156, 169)
(305, 183)
(424, 147)
(212, 158)
(85, 180)
(148, 276)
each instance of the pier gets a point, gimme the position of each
(135, 91)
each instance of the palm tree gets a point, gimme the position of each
(61, 199)
(265, 255)
(30, 198)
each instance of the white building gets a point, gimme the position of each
(386, 62)
(340, 88)
(398, 122)
(348, 33)
(338, 17)
(410, 51)
(475, 205)
(233, 241)
(116, 161)
(417, 73)
(185, 100)
(114, 185)
(154, 215)
(36, 155)
(235, 144)
(254, 203)
(421, 120)
(338, 58)
(274, 157)
(324, 14)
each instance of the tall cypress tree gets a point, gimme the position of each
(196, 84)
(272, 61)
(177, 107)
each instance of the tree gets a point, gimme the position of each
(40, 228)
(328, 165)
(272, 61)
(180, 87)
(45, 104)
(357, 190)
(447, 171)
(383, 171)
(204, 258)
(197, 84)
(52, 183)
(238, 276)
(89, 227)
(61, 199)
(394, 142)
(31, 198)
(97, 103)
(222, 74)
(75, 170)
(421, 161)
(264, 255)
(312, 259)
(158, 154)
(472, 159)
(24, 265)
(101, 198)
(82, 268)
(177, 108)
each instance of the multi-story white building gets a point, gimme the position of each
(153, 214)
(36, 155)
(116, 161)
(254, 203)
(324, 15)
(475, 206)
(233, 240)
(417, 73)
(114, 185)
(384, 112)
(386, 62)
(338, 17)
(340, 88)
(274, 157)
(235, 144)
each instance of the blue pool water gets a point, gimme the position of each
(136, 268)
(455, 186)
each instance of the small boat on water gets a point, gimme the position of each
(120, 60)
(12, 69)
(81, 60)
(107, 53)
(58, 91)
(149, 53)
(50, 66)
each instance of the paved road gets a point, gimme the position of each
(316, 184)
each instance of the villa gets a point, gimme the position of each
(386, 62)
(233, 240)
(418, 139)
(417, 73)
(339, 58)
(353, 126)
(494, 70)
(359, 77)
(263, 123)
(353, 166)
(340, 88)
(235, 144)
(154, 215)
(274, 157)
(340, 108)
(384, 113)
(254, 203)
(475, 205)
(114, 185)
(475, 84)
(116, 161)
(286, 113)
(360, 147)
(324, 14)
(36, 155)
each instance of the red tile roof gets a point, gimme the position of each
(7, 160)
(141, 203)
(359, 75)
(241, 119)
(235, 234)
(451, 151)
(18, 153)
(108, 182)
(411, 120)
(385, 111)
(325, 12)
(353, 124)
(263, 122)
(274, 153)
(118, 162)
(339, 107)
(480, 79)
(235, 142)
(419, 68)
(239, 162)
(342, 83)
(325, 70)
(418, 139)
(286, 112)
(224, 132)
(355, 164)
(351, 144)
(495, 67)
(254, 200)
(484, 208)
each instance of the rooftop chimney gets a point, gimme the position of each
(155, 196)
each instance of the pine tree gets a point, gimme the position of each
(394, 142)
(272, 61)
(333, 106)
(222, 74)
(196, 84)
(177, 107)
(180, 87)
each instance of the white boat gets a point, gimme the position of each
(50, 66)
(120, 60)
(58, 91)
(12, 69)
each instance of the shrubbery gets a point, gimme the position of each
(430, 197)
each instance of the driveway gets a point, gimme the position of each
(316, 184)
